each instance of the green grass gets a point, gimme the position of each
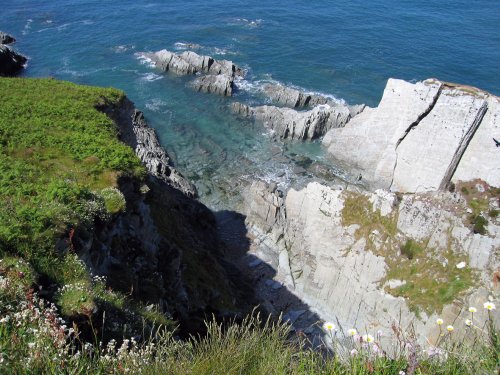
(60, 160)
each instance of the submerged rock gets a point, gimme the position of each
(6, 38)
(10, 61)
(288, 123)
(421, 137)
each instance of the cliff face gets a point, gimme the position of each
(163, 249)
(421, 137)
(370, 259)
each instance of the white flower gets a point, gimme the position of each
(352, 332)
(468, 322)
(489, 306)
(31, 345)
(368, 338)
(461, 265)
(450, 328)
(439, 322)
(354, 352)
(401, 373)
(327, 326)
(472, 309)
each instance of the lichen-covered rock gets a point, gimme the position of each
(419, 136)
(10, 61)
(344, 253)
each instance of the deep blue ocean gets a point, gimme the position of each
(346, 49)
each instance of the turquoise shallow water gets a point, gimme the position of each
(347, 49)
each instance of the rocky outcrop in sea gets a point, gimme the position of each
(11, 62)
(6, 38)
(287, 123)
(217, 75)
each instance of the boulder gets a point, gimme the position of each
(10, 61)
(419, 136)
(6, 38)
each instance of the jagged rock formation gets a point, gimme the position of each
(163, 249)
(418, 138)
(135, 132)
(220, 84)
(10, 61)
(219, 77)
(6, 38)
(288, 123)
(293, 98)
(343, 266)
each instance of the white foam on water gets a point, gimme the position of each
(122, 48)
(246, 22)
(150, 77)
(143, 59)
(157, 105)
(27, 26)
(257, 86)
(182, 46)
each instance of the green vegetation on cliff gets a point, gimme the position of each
(60, 160)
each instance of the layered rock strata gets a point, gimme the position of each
(135, 132)
(421, 137)
(343, 266)
(293, 98)
(287, 123)
(219, 74)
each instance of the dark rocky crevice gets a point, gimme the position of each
(420, 118)
(412, 126)
(464, 143)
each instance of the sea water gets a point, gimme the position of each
(344, 49)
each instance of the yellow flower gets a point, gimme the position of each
(450, 328)
(472, 309)
(368, 338)
(489, 306)
(468, 322)
(439, 322)
(352, 332)
(327, 326)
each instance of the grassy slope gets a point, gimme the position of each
(59, 163)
